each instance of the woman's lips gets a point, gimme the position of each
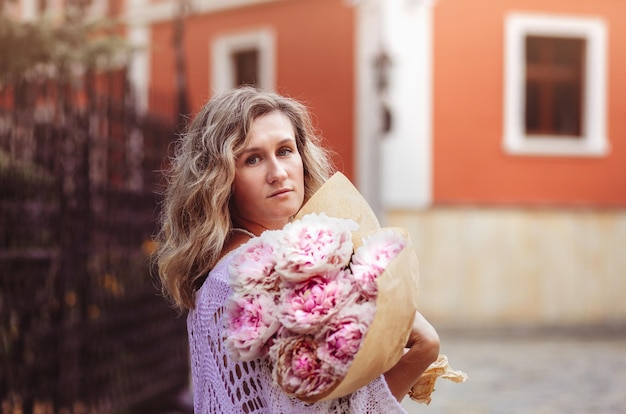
(279, 192)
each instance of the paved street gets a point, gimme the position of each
(573, 372)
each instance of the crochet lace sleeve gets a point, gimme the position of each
(221, 385)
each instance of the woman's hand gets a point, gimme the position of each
(423, 350)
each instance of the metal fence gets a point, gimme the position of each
(83, 328)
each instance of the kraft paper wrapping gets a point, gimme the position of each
(396, 302)
(424, 387)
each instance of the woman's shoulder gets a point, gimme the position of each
(220, 269)
(216, 287)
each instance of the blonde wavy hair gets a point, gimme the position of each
(195, 214)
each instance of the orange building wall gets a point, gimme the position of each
(470, 165)
(314, 61)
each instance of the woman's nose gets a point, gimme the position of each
(277, 171)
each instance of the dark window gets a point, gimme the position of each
(42, 6)
(246, 66)
(554, 85)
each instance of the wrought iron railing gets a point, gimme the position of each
(83, 327)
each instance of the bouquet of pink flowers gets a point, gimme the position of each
(306, 297)
(321, 295)
(330, 299)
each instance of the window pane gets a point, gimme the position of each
(246, 66)
(554, 85)
(533, 49)
(568, 52)
(567, 109)
(532, 106)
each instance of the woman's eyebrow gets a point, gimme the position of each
(278, 144)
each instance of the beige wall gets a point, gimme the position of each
(489, 267)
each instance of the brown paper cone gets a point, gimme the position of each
(339, 198)
(396, 302)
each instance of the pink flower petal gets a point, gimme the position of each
(314, 245)
(305, 307)
(249, 322)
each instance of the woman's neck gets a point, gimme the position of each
(243, 231)
(253, 227)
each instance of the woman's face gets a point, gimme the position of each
(269, 176)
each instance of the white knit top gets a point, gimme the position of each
(222, 386)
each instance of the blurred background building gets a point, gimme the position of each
(494, 131)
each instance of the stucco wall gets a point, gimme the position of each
(490, 267)
(314, 43)
(470, 165)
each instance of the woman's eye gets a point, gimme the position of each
(284, 151)
(252, 160)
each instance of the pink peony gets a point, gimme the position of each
(372, 258)
(314, 245)
(253, 264)
(297, 368)
(343, 336)
(250, 322)
(305, 307)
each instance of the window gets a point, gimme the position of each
(555, 86)
(42, 7)
(246, 66)
(246, 58)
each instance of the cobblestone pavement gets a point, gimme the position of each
(532, 373)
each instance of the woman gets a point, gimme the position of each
(247, 163)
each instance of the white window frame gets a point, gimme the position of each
(594, 141)
(224, 46)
